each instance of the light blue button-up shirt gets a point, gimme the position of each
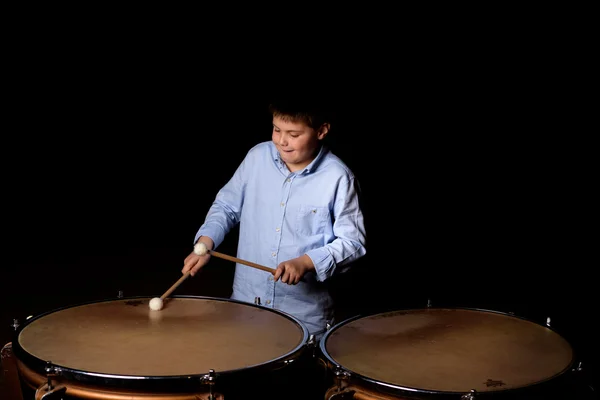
(284, 215)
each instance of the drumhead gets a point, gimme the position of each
(124, 339)
(447, 351)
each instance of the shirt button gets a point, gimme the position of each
(277, 229)
(273, 254)
(268, 301)
(282, 204)
(270, 278)
(288, 180)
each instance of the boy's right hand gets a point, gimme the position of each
(193, 262)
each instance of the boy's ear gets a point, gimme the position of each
(323, 131)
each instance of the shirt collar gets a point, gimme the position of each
(315, 163)
(310, 167)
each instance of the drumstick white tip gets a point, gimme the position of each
(156, 304)
(200, 249)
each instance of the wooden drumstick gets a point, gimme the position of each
(179, 282)
(201, 249)
(156, 303)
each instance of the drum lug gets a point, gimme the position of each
(578, 368)
(341, 378)
(47, 390)
(341, 392)
(311, 344)
(341, 374)
(345, 395)
(46, 393)
(469, 396)
(209, 379)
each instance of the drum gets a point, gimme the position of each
(439, 353)
(194, 348)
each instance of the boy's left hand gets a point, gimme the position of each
(292, 271)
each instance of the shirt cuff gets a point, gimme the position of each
(214, 232)
(323, 262)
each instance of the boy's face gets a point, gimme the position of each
(296, 142)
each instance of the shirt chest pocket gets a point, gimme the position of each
(311, 220)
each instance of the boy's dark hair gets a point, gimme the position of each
(313, 112)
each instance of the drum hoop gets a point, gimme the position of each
(118, 380)
(391, 388)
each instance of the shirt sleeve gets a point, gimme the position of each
(349, 231)
(225, 211)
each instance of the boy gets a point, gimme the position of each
(297, 206)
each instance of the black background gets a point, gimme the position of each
(476, 178)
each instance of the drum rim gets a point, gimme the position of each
(39, 365)
(392, 388)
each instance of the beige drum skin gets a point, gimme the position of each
(120, 349)
(434, 351)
